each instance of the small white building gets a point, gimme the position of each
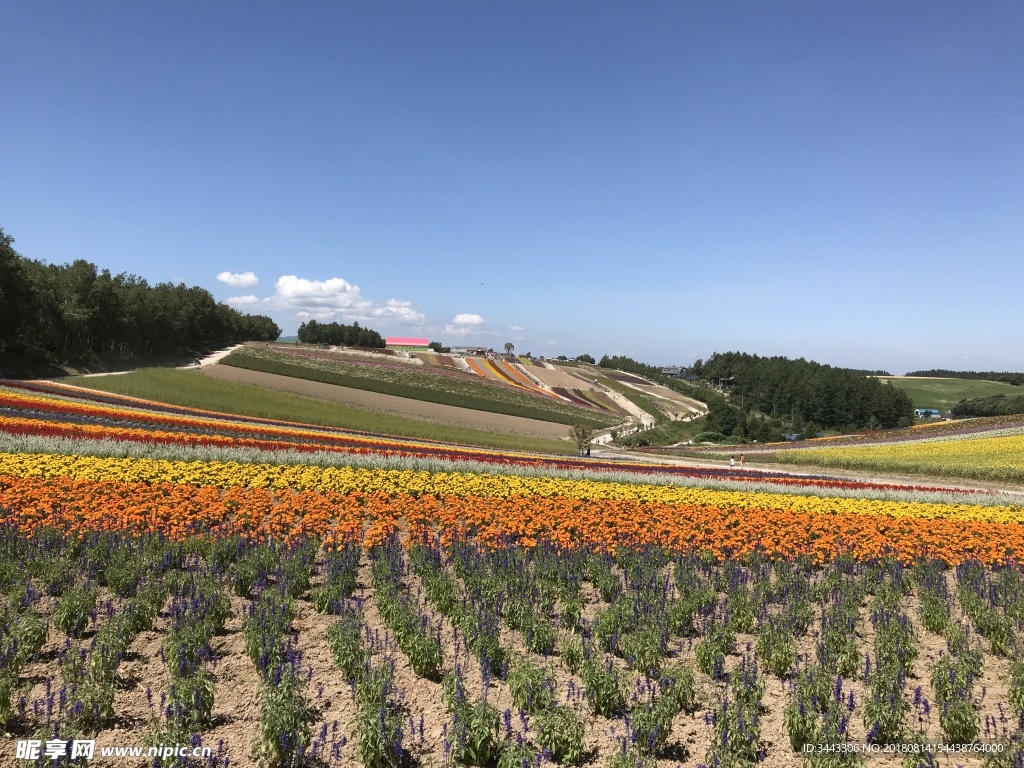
(471, 351)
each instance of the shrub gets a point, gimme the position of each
(530, 686)
(562, 732)
(344, 637)
(71, 615)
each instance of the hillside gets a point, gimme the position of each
(253, 394)
(943, 394)
(430, 384)
(78, 315)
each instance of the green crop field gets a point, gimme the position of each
(194, 390)
(408, 381)
(945, 393)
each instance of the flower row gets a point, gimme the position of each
(76, 506)
(73, 414)
(1000, 457)
(397, 482)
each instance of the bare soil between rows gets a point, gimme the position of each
(143, 678)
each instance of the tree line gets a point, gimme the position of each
(312, 332)
(73, 313)
(996, 405)
(860, 372)
(833, 398)
(1016, 379)
(771, 396)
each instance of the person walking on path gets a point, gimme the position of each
(741, 461)
(732, 462)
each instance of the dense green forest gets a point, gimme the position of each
(354, 335)
(72, 314)
(941, 373)
(769, 396)
(996, 405)
(833, 398)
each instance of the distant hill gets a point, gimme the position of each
(945, 393)
(429, 384)
(1008, 377)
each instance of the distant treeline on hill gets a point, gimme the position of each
(70, 314)
(941, 373)
(770, 395)
(996, 405)
(859, 372)
(801, 392)
(312, 332)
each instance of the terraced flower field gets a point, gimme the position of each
(435, 385)
(289, 595)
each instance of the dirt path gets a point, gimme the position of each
(399, 406)
(212, 359)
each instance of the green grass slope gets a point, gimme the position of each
(410, 382)
(945, 393)
(194, 390)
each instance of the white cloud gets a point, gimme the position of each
(328, 300)
(465, 324)
(516, 328)
(238, 279)
(399, 310)
(244, 301)
(334, 293)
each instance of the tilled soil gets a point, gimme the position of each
(143, 680)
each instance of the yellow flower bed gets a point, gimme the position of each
(395, 482)
(989, 457)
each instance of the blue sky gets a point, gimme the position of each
(842, 182)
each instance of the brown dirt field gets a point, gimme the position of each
(399, 406)
(330, 696)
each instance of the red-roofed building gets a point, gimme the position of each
(407, 342)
